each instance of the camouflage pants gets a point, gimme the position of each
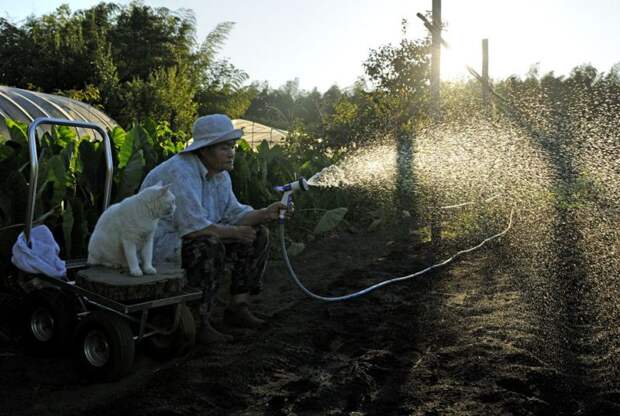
(207, 259)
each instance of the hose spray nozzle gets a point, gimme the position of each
(287, 198)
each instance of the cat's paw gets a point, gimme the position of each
(149, 270)
(136, 272)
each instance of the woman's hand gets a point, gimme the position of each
(243, 233)
(263, 215)
(272, 212)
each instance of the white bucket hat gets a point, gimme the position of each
(212, 129)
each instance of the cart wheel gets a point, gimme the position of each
(104, 345)
(48, 321)
(177, 343)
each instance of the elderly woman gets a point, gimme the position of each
(210, 229)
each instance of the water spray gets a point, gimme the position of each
(302, 184)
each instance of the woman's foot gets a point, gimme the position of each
(209, 335)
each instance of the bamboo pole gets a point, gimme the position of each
(485, 73)
(436, 58)
(435, 106)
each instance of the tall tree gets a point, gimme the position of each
(132, 61)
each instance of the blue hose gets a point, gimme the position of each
(369, 289)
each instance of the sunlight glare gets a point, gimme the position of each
(455, 60)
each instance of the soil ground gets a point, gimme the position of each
(463, 340)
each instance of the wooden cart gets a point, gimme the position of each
(97, 313)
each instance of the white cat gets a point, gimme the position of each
(128, 227)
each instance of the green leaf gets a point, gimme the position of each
(6, 152)
(117, 136)
(243, 146)
(330, 220)
(179, 146)
(18, 131)
(263, 149)
(91, 166)
(375, 223)
(46, 143)
(295, 249)
(58, 175)
(306, 168)
(150, 126)
(67, 227)
(64, 135)
(241, 176)
(68, 155)
(126, 150)
(144, 141)
(131, 176)
(168, 147)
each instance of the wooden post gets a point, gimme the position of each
(435, 107)
(436, 58)
(485, 74)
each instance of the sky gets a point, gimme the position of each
(325, 42)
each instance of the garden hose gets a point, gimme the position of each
(369, 289)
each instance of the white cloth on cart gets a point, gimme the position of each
(42, 257)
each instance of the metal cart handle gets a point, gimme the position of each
(34, 162)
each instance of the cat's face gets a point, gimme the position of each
(168, 203)
(162, 201)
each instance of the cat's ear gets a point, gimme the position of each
(159, 183)
(164, 188)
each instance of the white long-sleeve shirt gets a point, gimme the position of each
(200, 202)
